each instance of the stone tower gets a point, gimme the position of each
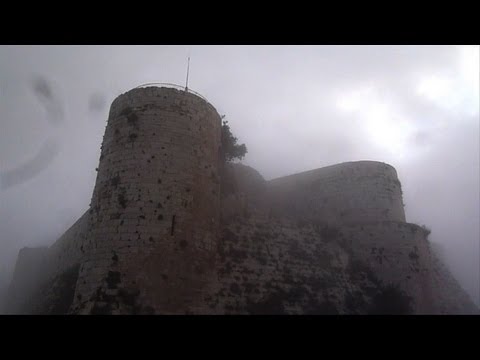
(155, 208)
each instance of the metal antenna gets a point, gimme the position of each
(188, 70)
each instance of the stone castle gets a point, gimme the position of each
(174, 229)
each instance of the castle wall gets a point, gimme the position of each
(400, 254)
(284, 267)
(244, 190)
(326, 241)
(69, 249)
(155, 206)
(351, 192)
(452, 298)
(35, 267)
(277, 267)
(397, 253)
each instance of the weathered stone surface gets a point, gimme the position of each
(351, 192)
(173, 230)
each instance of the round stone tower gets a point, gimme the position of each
(155, 207)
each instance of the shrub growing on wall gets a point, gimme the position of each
(231, 150)
(427, 230)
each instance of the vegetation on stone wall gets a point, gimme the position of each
(231, 150)
(427, 230)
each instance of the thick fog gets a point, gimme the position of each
(295, 107)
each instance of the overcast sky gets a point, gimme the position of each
(296, 107)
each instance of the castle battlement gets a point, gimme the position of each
(350, 192)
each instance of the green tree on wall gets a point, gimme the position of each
(231, 150)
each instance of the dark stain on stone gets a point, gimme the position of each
(115, 181)
(122, 200)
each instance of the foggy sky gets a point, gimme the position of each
(296, 107)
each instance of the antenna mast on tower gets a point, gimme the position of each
(188, 70)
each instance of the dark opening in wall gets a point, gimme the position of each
(172, 229)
